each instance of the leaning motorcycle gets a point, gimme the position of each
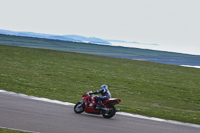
(89, 105)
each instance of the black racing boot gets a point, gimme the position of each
(100, 104)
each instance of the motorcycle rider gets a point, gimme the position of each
(105, 95)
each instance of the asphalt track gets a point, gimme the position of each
(18, 112)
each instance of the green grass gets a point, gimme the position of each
(3, 130)
(146, 88)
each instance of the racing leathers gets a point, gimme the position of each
(105, 95)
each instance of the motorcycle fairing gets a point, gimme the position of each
(112, 101)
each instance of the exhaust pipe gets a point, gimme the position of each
(105, 109)
(117, 110)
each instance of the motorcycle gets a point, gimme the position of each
(89, 104)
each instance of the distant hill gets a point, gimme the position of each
(103, 50)
(73, 38)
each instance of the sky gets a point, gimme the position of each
(174, 25)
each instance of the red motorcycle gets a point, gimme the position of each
(89, 105)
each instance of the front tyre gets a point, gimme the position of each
(110, 113)
(79, 107)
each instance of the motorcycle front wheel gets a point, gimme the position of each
(110, 113)
(79, 107)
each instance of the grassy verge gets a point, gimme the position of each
(3, 130)
(146, 88)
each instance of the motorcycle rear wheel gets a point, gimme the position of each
(79, 108)
(110, 113)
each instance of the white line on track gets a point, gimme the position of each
(19, 130)
(119, 113)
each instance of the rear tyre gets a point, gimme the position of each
(110, 113)
(79, 107)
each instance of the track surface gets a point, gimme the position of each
(38, 116)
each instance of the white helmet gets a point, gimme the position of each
(104, 87)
